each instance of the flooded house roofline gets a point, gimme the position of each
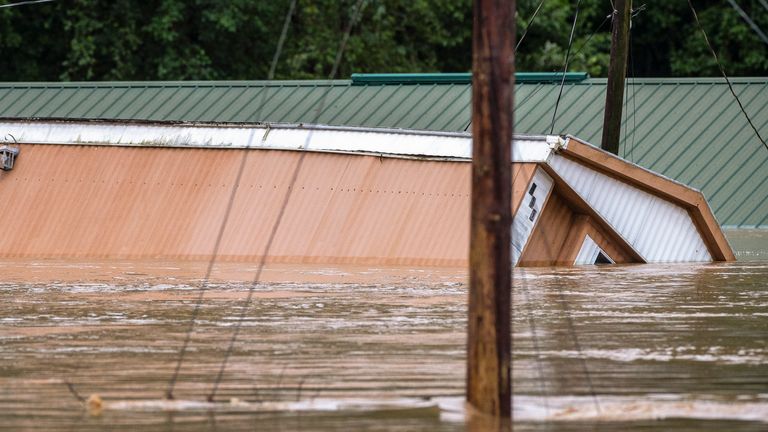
(159, 188)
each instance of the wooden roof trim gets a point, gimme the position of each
(577, 203)
(635, 175)
(710, 230)
(678, 193)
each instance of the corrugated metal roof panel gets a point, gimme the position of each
(659, 230)
(689, 129)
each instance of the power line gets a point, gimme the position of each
(634, 94)
(528, 27)
(225, 220)
(543, 387)
(565, 66)
(722, 71)
(749, 21)
(280, 42)
(10, 5)
(583, 45)
(295, 175)
(574, 336)
(594, 32)
(764, 3)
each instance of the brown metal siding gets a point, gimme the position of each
(549, 234)
(583, 226)
(64, 201)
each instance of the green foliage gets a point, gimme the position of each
(236, 39)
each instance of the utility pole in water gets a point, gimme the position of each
(489, 387)
(617, 70)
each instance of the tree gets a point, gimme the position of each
(236, 39)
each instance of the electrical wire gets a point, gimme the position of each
(565, 66)
(262, 262)
(280, 43)
(225, 220)
(528, 27)
(594, 32)
(722, 71)
(749, 21)
(563, 302)
(10, 5)
(540, 87)
(574, 336)
(634, 91)
(543, 387)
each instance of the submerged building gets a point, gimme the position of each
(147, 170)
(688, 129)
(293, 193)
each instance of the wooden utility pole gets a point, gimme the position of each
(489, 388)
(617, 71)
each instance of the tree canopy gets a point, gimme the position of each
(236, 39)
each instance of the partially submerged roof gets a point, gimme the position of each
(574, 203)
(690, 130)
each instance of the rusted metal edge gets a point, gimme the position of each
(273, 125)
(277, 136)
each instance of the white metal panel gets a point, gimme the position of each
(578, 179)
(588, 252)
(528, 212)
(394, 142)
(658, 229)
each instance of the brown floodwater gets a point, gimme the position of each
(625, 348)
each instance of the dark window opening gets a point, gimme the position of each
(602, 259)
(533, 189)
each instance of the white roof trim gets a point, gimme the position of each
(385, 142)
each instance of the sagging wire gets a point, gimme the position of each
(571, 327)
(725, 76)
(565, 66)
(262, 262)
(749, 21)
(543, 386)
(583, 45)
(594, 32)
(578, 51)
(633, 13)
(528, 27)
(225, 220)
(574, 336)
(10, 5)
(633, 87)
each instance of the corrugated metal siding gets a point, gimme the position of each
(687, 129)
(118, 202)
(659, 230)
(143, 203)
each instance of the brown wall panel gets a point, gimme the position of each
(582, 226)
(546, 241)
(63, 201)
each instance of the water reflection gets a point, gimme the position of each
(610, 348)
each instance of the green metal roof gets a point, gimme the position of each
(688, 129)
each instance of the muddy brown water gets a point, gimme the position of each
(625, 348)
